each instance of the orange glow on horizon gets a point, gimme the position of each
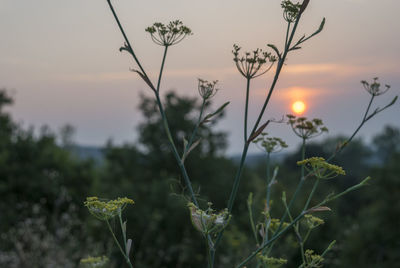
(298, 107)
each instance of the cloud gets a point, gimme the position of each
(332, 69)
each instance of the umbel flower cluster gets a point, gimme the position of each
(207, 89)
(320, 168)
(290, 10)
(170, 34)
(94, 262)
(275, 224)
(208, 221)
(105, 210)
(252, 64)
(306, 129)
(270, 144)
(312, 221)
(270, 261)
(375, 87)
(313, 260)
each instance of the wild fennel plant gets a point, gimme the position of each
(107, 210)
(208, 222)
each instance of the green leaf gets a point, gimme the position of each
(186, 153)
(258, 132)
(275, 49)
(124, 227)
(320, 28)
(185, 143)
(128, 246)
(220, 109)
(318, 209)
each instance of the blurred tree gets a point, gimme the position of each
(372, 238)
(159, 222)
(386, 144)
(34, 173)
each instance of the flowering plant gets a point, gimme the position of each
(250, 65)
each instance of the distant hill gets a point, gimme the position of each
(254, 159)
(88, 152)
(97, 154)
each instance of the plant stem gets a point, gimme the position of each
(253, 227)
(330, 158)
(192, 137)
(210, 254)
(348, 190)
(119, 246)
(297, 232)
(276, 236)
(123, 230)
(299, 186)
(162, 68)
(246, 110)
(287, 35)
(246, 145)
(268, 195)
(126, 38)
(311, 194)
(175, 151)
(356, 131)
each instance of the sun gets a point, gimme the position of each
(298, 107)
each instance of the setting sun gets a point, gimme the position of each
(298, 107)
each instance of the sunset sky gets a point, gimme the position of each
(61, 61)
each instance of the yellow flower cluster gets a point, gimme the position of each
(97, 262)
(321, 168)
(105, 210)
(313, 221)
(274, 224)
(271, 262)
(313, 260)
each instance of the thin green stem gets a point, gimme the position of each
(119, 246)
(277, 73)
(330, 158)
(328, 248)
(299, 186)
(246, 110)
(275, 237)
(234, 187)
(268, 195)
(303, 156)
(296, 230)
(356, 131)
(237, 178)
(348, 190)
(307, 235)
(253, 226)
(311, 194)
(162, 68)
(301, 243)
(246, 145)
(123, 230)
(126, 38)
(210, 255)
(287, 35)
(180, 162)
(193, 136)
(175, 151)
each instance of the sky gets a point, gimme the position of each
(61, 62)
